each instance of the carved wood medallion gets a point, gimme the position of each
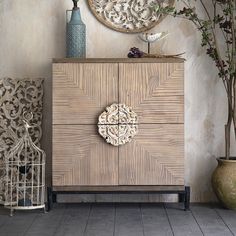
(118, 124)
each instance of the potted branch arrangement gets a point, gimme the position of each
(221, 19)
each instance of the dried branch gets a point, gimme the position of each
(223, 18)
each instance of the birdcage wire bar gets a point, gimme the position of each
(25, 174)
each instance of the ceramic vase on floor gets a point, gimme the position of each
(75, 33)
(224, 182)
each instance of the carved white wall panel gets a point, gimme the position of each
(118, 124)
(17, 95)
(128, 16)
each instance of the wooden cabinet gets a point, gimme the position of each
(82, 89)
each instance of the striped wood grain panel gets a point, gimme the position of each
(154, 157)
(82, 91)
(154, 91)
(82, 157)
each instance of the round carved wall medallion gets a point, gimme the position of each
(118, 124)
(128, 16)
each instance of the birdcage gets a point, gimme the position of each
(25, 173)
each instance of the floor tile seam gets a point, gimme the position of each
(114, 226)
(86, 225)
(222, 219)
(141, 214)
(60, 221)
(28, 228)
(168, 218)
(196, 221)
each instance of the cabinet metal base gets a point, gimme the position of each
(182, 191)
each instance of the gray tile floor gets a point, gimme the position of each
(120, 220)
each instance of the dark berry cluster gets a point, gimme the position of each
(135, 53)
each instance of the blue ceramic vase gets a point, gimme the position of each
(75, 34)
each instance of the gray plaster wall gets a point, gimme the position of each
(33, 32)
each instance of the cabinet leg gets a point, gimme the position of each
(187, 198)
(181, 197)
(54, 197)
(49, 198)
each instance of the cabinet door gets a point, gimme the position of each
(81, 157)
(82, 90)
(154, 157)
(154, 91)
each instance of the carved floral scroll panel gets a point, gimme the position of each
(129, 16)
(16, 96)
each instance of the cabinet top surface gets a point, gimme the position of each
(118, 60)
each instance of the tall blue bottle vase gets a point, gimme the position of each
(75, 34)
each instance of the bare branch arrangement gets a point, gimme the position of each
(219, 21)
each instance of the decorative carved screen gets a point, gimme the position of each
(128, 16)
(17, 95)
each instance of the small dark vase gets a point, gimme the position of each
(24, 202)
